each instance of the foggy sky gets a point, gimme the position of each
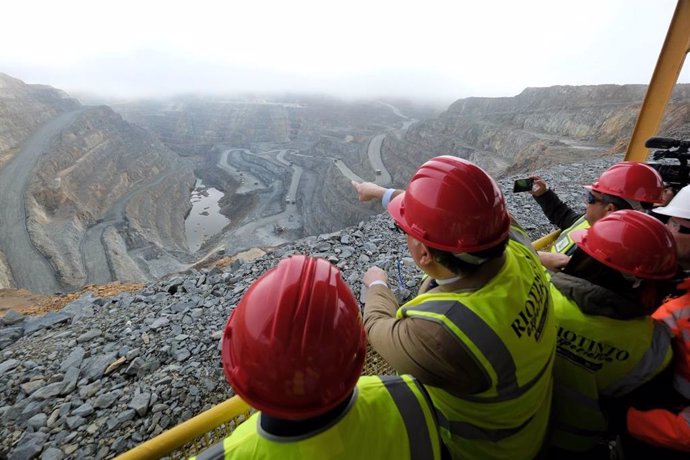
(427, 50)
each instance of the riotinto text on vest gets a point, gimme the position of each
(585, 351)
(531, 319)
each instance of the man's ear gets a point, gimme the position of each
(425, 257)
(610, 207)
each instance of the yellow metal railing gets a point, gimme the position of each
(545, 242)
(195, 434)
(209, 427)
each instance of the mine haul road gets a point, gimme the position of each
(30, 269)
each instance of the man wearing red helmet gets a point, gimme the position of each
(608, 345)
(293, 349)
(625, 185)
(483, 339)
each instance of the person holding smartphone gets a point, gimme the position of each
(625, 185)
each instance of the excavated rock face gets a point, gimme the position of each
(319, 129)
(108, 200)
(540, 126)
(25, 107)
(103, 168)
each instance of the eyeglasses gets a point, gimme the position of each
(678, 228)
(591, 199)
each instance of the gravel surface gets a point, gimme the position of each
(101, 375)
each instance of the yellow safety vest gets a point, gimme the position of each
(564, 244)
(508, 326)
(598, 357)
(390, 417)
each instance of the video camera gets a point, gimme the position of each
(675, 175)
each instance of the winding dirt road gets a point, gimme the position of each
(93, 250)
(30, 269)
(260, 230)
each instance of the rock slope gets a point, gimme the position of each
(104, 169)
(25, 107)
(90, 199)
(538, 127)
(104, 374)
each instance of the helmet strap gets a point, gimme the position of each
(634, 281)
(636, 205)
(447, 281)
(469, 258)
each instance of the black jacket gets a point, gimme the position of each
(558, 213)
(597, 300)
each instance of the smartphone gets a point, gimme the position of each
(523, 185)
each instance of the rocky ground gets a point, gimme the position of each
(104, 373)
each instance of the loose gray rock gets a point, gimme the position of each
(81, 308)
(42, 322)
(98, 365)
(70, 381)
(74, 359)
(106, 400)
(52, 453)
(89, 335)
(140, 403)
(160, 322)
(37, 421)
(48, 391)
(84, 410)
(8, 365)
(11, 317)
(31, 386)
(29, 446)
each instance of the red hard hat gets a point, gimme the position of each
(631, 242)
(631, 180)
(451, 204)
(295, 345)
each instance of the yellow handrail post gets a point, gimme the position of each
(676, 46)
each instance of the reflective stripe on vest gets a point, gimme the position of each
(457, 317)
(577, 404)
(654, 359)
(392, 408)
(577, 421)
(412, 414)
(672, 318)
(674, 310)
(508, 327)
(682, 385)
(470, 431)
(676, 315)
(564, 244)
(215, 452)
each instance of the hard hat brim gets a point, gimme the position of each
(672, 211)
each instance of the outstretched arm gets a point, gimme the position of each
(367, 191)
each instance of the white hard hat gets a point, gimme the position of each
(679, 205)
